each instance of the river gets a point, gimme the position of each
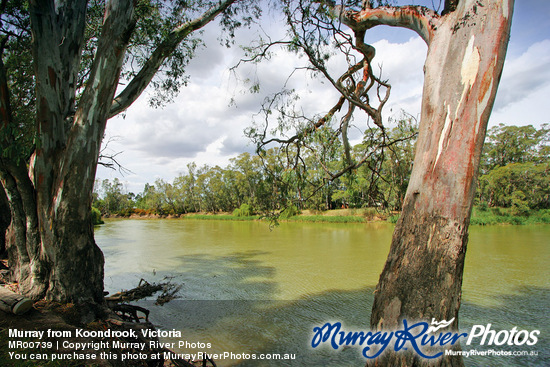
(248, 288)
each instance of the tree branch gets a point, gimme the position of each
(422, 20)
(304, 133)
(93, 108)
(109, 160)
(138, 84)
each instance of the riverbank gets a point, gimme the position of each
(480, 216)
(53, 334)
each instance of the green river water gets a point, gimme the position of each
(247, 288)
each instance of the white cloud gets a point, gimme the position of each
(200, 125)
(402, 64)
(524, 88)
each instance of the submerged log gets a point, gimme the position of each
(13, 302)
(143, 290)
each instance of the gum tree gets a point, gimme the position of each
(467, 43)
(82, 52)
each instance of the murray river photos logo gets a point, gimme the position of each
(420, 336)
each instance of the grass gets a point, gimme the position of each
(327, 219)
(362, 215)
(483, 216)
(220, 217)
(492, 216)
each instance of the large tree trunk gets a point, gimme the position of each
(422, 277)
(5, 220)
(52, 252)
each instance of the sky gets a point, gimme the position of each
(205, 124)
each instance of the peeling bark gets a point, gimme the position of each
(422, 277)
(52, 253)
(5, 220)
(64, 180)
(420, 19)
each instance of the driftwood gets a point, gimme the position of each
(208, 359)
(143, 290)
(169, 292)
(130, 312)
(146, 289)
(13, 302)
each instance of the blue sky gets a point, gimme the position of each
(201, 125)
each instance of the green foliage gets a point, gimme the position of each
(96, 217)
(243, 211)
(544, 216)
(111, 197)
(522, 185)
(156, 21)
(289, 212)
(498, 211)
(369, 213)
(483, 206)
(17, 132)
(328, 219)
(519, 204)
(509, 216)
(221, 217)
(393, 218)
(507, 144)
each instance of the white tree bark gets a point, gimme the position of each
(422, 277)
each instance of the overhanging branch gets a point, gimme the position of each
(424, 21)
(138, 84)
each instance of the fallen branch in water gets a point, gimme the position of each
(169, 293)
(143, 290)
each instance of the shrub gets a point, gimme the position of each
(519, 204)
(369, 213)
(393, 218)
(328, 219)
(545, 218)
(244, 211)
(483, 206)
(518, 220)
(96, 217)
(498, 211)
(289, 212)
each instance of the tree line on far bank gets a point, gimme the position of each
(514, 174)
